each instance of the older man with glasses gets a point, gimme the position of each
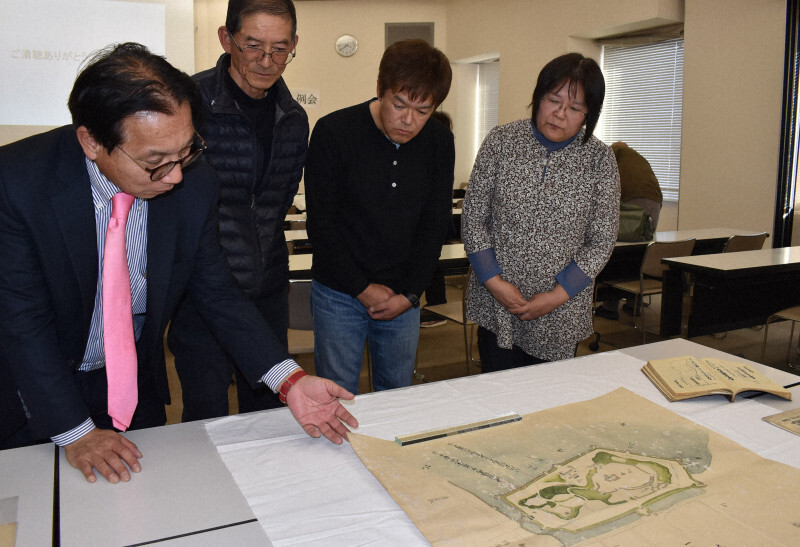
(257, 138)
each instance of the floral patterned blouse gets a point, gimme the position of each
(540, 211)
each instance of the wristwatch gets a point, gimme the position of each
(413, 298)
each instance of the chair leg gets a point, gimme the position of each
(369, 368)
(639, 301)
(789, 348)
(764, 343)
(470, 343)
(417, 375)
(594, 345)
(467, 355)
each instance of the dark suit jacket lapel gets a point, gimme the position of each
(162, 233)
(72, 206)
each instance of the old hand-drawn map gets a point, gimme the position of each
(616, 470)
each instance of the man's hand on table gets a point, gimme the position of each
(314, 403)
(106, 451)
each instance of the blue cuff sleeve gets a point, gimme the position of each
(485, 264)
(573, 279)
(272, 379)
(74, 434)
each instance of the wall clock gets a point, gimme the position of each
(346, 45)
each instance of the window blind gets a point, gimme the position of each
(487, 100)
(643, 105)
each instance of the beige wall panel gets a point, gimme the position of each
(732, 111)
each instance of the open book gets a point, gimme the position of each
(685, 377)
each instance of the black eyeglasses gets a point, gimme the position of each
(158, 173)
(253, 53)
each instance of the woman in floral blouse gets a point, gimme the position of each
(540, 220)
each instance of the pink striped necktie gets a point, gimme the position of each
(118, 336)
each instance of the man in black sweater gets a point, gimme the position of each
(379, 180)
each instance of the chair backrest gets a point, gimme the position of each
(656, 250)
(300, 317)
(745, 242)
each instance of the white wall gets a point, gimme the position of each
(180, 31)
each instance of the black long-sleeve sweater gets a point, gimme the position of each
(377, 212)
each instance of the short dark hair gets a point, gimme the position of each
(239, 9)
(573, 69)
(121, 80)
(416, 67)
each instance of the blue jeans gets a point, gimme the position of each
(341, 327)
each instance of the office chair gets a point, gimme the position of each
(744, 242)
(789, 314)
(456, 311)
(651, 275)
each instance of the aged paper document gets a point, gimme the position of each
(685, 377)
(789, 420)
(617, 470)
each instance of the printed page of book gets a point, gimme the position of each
(743, 377)
(684, 377)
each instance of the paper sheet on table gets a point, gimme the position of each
(789, 420)
(617, 470)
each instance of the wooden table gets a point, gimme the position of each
(728, 291)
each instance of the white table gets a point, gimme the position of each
(295, 235)
(452, 258)
(26, 489)
(295, 217)
(311, 492)
(327, 497)
(184, 495)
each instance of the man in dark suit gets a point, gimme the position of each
(132, 133)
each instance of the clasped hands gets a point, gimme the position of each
(510, 297)
(313, 401)
(382, 303)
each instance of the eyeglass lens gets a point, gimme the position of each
(163, 170)
(252, 53)
(277, 57)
